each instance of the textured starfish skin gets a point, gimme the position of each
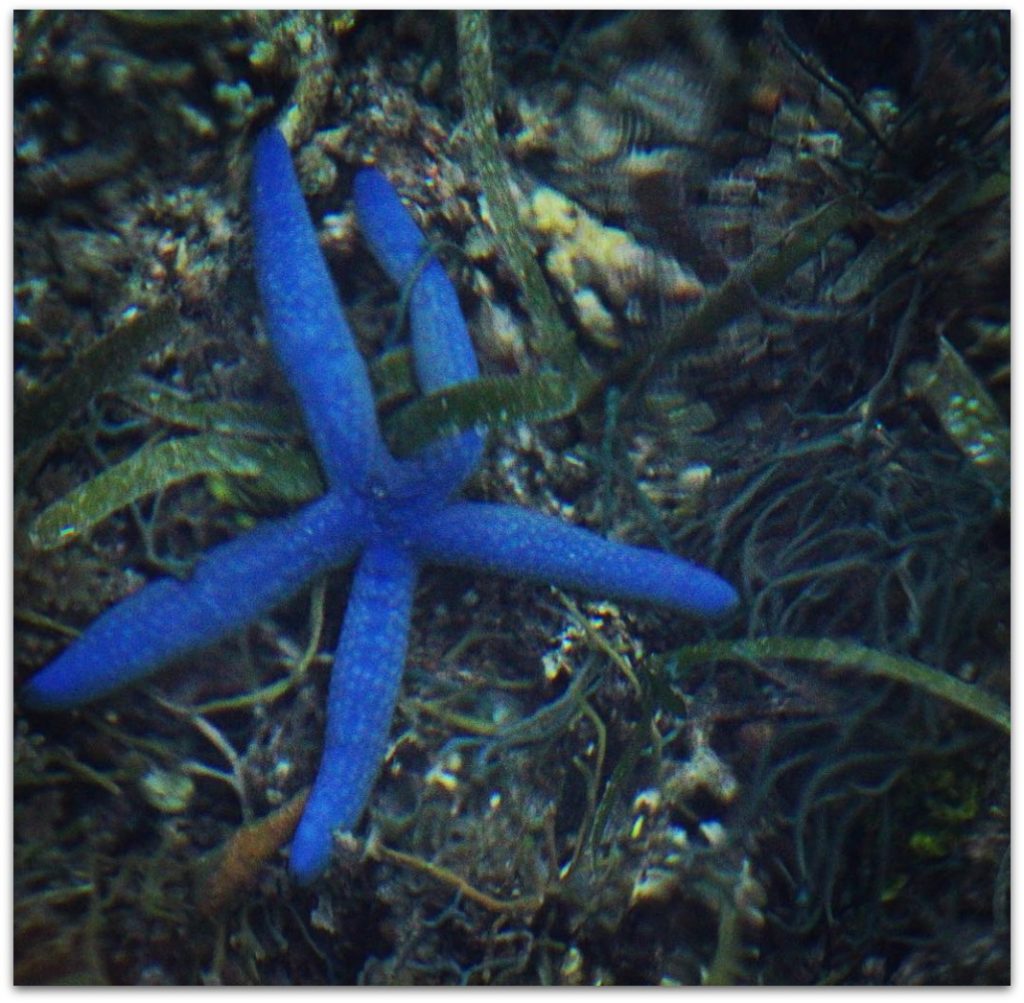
(231, 586)
(396, 515)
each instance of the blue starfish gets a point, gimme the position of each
(395, 514)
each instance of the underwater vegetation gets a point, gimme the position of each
(738, 286)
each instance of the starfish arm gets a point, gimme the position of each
(364, 687)
(307, 325)
(442, 350)
(441, 345)
(231, 585)
(524, 544)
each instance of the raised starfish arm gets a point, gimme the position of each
(361, 701)
(524, 544)
(307, 325)
(231, 585)
(442, 350)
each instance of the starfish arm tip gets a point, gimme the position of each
(167, 618)
(311, 847)
(305, 319)
(525, 544)
(442, 347)
(395, 239)
(361, 700)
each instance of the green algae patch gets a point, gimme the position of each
(392, 377)
(490, 401)
(226, 417)
(966, 410)
(833, 655)
(103, 365)
(153, 468)
(288, 476)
